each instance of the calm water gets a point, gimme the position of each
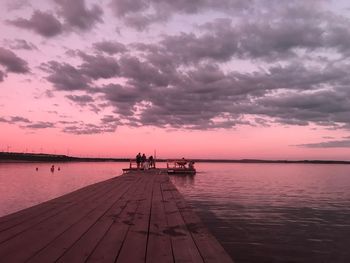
(21, 186)
(259, 212)
(274, 212)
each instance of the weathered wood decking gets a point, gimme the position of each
(136, 217)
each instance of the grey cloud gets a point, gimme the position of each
(66, 77)
(99, 66)
(77, 15)
(2, 76)
(14, 120)
(122, 98)
(143, 73)
(107, 119)
(12, 62)
(110, 47)
(26, 123)
(297, 26)
(190, 48)
(86, 129)
(141, 13)
(123, 7)
(17, 4)
(179, 81)
(21, 44)
(206, 97)
(328, 144)
(42, 23)
(40, 125)
(18, 119)
(82, 99)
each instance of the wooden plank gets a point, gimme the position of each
(184, 247)
(62, 243)
(210, 249)
(159, 244)
(138, 232)
(87, 247)
(49, 229)
(57, 208)
(116, 235)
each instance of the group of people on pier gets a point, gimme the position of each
(145, 163)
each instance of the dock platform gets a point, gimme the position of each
(135, 217)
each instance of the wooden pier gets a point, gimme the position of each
(136, 217)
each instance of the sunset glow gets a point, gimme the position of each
(226, 79)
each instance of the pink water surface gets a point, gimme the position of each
(21, 186)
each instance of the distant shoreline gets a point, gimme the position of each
(9, 157)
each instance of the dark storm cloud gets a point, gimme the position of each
(12, 62)
(110, 47)
(77, 15)
(42, 23)
(328, 144)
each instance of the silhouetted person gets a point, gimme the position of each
(37, 169)
(138, 160)
(191, 165)
(52, 168)
(182, 163)
(151, 162)
(143, 160)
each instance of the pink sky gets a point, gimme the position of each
(235, 79)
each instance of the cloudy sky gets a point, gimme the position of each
(204, 78)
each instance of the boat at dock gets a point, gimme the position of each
(181, 167)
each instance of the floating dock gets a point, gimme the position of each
(135, 217)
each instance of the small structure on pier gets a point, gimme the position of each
(181, 167)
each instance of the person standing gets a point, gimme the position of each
(143, 160)
(151, 162)
(138, 160)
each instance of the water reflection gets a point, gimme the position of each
(183, 180)
(274, 212)
(26, 184)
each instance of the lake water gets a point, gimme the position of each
(274, 212)
(21, 186)
(258, 212)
